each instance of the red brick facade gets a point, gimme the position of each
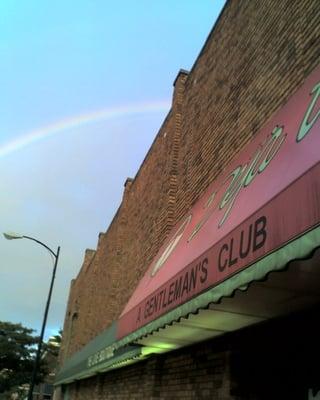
(257, 55)
(237, 366)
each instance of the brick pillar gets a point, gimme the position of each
(177, 107)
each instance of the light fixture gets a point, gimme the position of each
(11, 236)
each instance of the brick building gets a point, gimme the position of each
(206, 283)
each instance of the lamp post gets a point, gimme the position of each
(11, 236)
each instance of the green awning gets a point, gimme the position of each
(122, 357)
(78, 363)
(184, 325)
(97, 356)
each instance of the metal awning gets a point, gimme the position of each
(235, 259)
(259, 214)
(285, 281)
(99, 355)
(296, 287)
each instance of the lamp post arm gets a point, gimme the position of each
(44, 245)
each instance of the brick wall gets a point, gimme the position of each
(181, 375)
(257, 55)
(144, 218)
(263, 362)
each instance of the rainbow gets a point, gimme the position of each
(80, 120)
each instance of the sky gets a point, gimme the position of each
(85, 86)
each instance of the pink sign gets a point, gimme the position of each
(268, 195)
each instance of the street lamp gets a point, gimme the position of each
(11, 236)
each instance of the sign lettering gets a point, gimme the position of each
(306, 125)
(100, 356)
(248, 212)
(251, 239)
